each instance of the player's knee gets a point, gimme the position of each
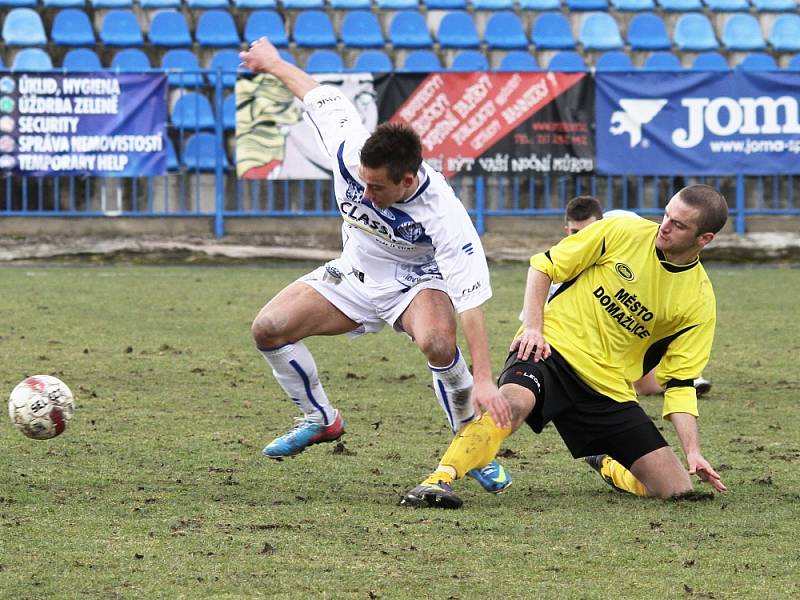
(520, 400)
(267, 330)
(439, 347)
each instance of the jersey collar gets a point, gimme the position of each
(425, 181)
(673, 268)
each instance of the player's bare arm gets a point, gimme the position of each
(263, 57)
(485, 395)
(686, 427)
(532, 339)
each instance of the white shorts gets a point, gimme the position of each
(370, 304)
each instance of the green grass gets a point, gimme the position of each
(158, 488)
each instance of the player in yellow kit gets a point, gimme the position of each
(634, 296)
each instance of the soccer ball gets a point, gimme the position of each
(41, 406)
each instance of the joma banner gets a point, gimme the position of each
(86, 123)
(698, 123)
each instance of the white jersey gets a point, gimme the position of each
(429, 235)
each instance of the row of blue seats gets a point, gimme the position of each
(478, 5)
(408, 29)
(185, 72)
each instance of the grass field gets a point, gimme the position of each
(158, 488)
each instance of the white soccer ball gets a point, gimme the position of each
(41, 406)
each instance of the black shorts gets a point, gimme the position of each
(588, 422)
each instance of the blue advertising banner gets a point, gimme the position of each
(698, 123)
(99, 123)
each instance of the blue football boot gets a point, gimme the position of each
(304, 434)
(493, 477)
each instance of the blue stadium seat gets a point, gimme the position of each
(421, 61)
(324, 61)
(121, 28)
(505, 31)
(229, 112)
(600, 32)
(168, 29)
(728, 5)
(71, 27)
(457, 30)
(207, 4)
(200, 153)
(743, 33)
(539, 5)
(567, 61)
(63, 3)
(648, 32)
(182, 68)
(373, 61)
(757, 61)
(216, 29)
(681, 6)
(303, 4)
(172, 157)
(350, 4)
(130, 59)
(159, 4)
(662, 61)
(360, 29)
(614, 60)
(313, 29)
(32, 59)
(268, 24)
(23, 27)
(111, 4)
(518, 60)
(469, 60)
(398, 4)
(228, 60)
(192, 111)
(255, 4)
(551, 31)
(445, 4)
(774, 5)
(694, 33)
(81, 59)
(710, 61)
(586, 5)
(493, 4)
(785, 34)
(633, 5)
(794, 64)
(409, 30)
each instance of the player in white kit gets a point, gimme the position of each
(411, 258)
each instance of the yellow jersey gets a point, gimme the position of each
(623, 309)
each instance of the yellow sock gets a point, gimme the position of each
(474, 447)
(622, 477)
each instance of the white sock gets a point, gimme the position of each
(453, 387)
(296, 372)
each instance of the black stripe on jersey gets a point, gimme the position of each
(675, 268)
(680, 383)
(658, 348)
(563, 287)
(547, 254)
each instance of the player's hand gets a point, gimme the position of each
(531, 341)
(486, 397)
(261, 57)
(699, 466)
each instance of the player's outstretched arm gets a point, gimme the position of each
(689, 436)
(531, 340)
(263, 57)
(485, 395)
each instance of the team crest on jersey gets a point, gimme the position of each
(410, 232)
(624, 271)
(385, 212)
(354, 191)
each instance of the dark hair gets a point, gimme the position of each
(395, 146)
(581, 208)
(712, 206)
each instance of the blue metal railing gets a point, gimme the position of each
(217, 193)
